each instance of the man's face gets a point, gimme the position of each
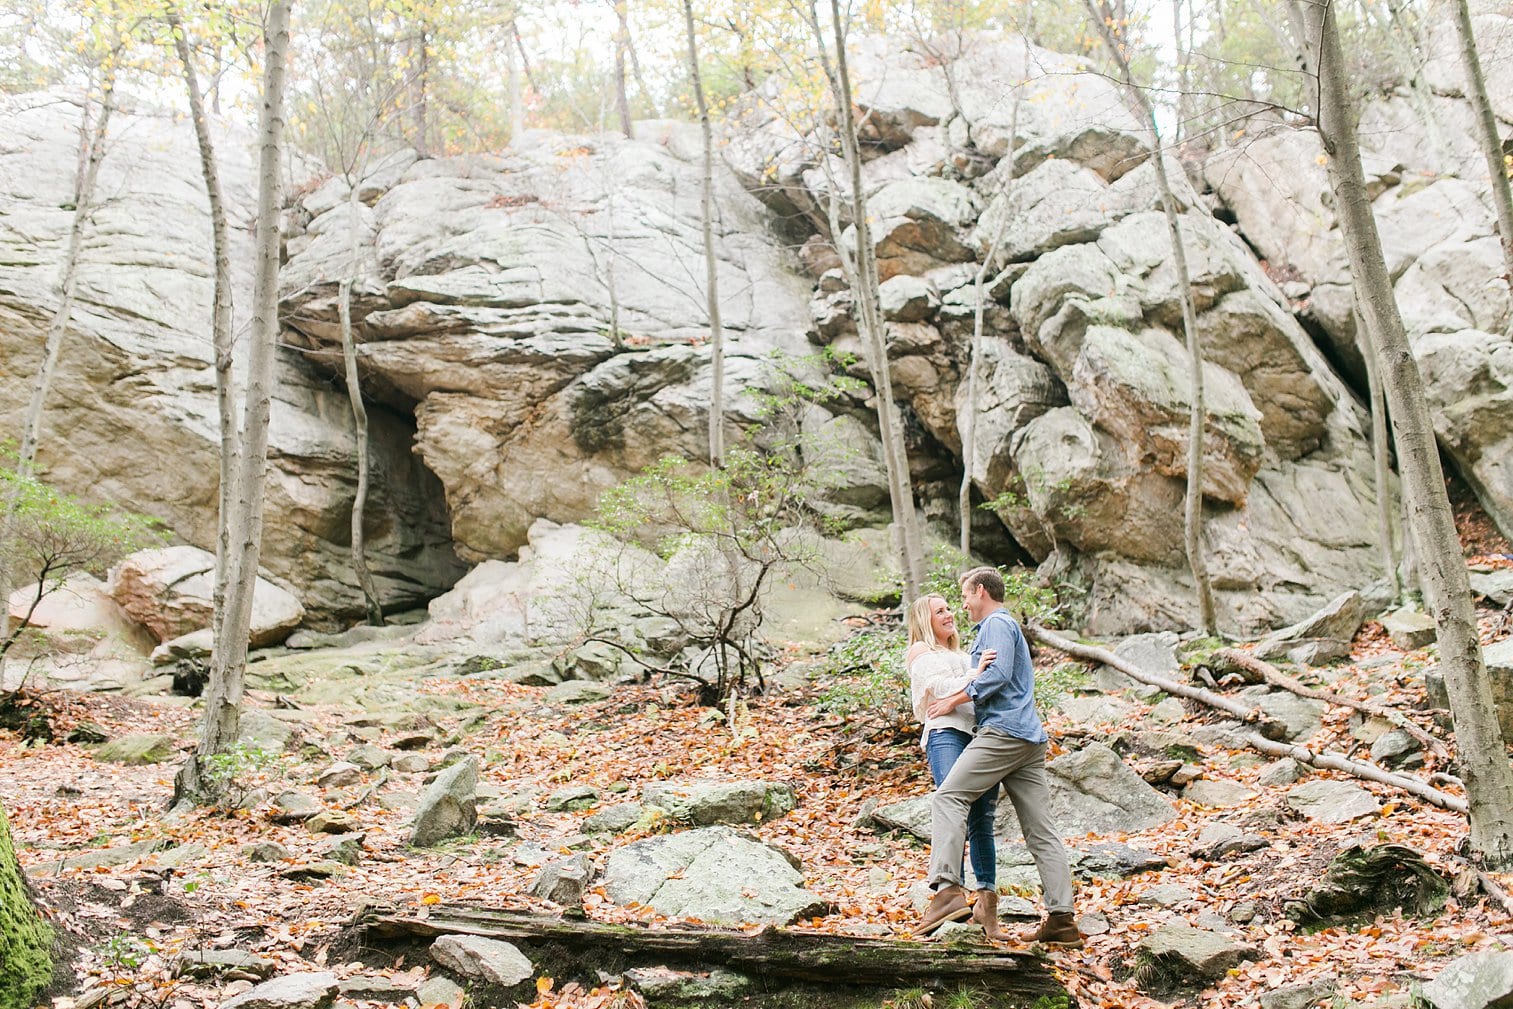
(975, 599)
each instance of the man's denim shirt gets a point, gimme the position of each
(1004, 694)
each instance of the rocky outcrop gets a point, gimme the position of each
(170, 592)
(1431, 197)
(131, 415)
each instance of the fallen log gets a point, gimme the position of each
(1274, 676)
(783, 953)
(1303, 755)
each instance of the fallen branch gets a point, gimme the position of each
(1269, 728)
(769, 952)
(1271, 674)
(1495, 891)
(1303, 755)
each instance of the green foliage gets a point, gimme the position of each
(232, 774)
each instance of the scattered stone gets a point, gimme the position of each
(1160, 772)
(1150, 653)
(265, 851)
(228, 964)
(339, 774)
(662, 985)
(437, 990)
(614, 820)
(708, 803)
(1327, 801)
(137, 748)
(379, 988)
(344, 848)
(1096, 709)
(1280, 772)
(449, 806)
(259, 730)
(196, 645)
(1408, 628)
(574, 799)
(1168, 712)
(1091, 923)
(292, 991)
(293, 807)
(1220, 839)
(1495, 585)
(563, 881)
(102, 857)
(493, 823)
(1303, 996)
(578, 692)
(370, 757)
(1167, 895)
(1217, 792)
(713, 873)
(1364, 881)
(333, 821)
(1185, 774)
(488, 960)
(1300, 717)
(1322, 637)
(1482, 980)
(1395, 749)
(1108, 860)
(1180, 956)
(1243, 913)
(86, 732)
(319, 869)
(410, 763)
(414, 741)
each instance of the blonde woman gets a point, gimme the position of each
(938, 668)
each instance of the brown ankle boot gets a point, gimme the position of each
(949, 903)
(1058, 929)
(985, 913)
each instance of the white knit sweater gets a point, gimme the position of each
(937, 674)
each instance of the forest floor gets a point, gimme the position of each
(124, 924)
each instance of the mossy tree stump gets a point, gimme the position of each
(26, 941)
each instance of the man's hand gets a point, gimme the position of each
(946, 705)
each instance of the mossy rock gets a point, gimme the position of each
(1363, 882)
(137, 748)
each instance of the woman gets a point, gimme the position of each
(939, 668)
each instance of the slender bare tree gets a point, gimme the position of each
(1486, 131)
(711, 265)
(1485, 769)
(223, 691)
(1380, 457)
(1109, 28)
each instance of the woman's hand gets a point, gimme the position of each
(988, 655)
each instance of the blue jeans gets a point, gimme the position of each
(941, 750)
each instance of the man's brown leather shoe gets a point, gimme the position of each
(1058, 929)
(949, 903)
(985, 913)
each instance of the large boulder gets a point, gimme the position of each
(170, 590)
(714, 874)
(449, 806)
(1479, 980)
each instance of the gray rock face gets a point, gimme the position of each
(1192, 957)
(169, 591)
(1300, 717)
(563, 881)
(1474, 981)
(483, 959)
(1328, 801)
(449, 805)
(1318, 638)
(292, 991)
(714, 874)
(138, 359)
(706, 804)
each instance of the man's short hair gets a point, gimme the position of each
(990, 580)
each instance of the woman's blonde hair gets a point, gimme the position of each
(919, 626)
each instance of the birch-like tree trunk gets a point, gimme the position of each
(622, 43)
(223, 691)
(1192, 517)
(1485, 769)
(359, 412)
(1486, 132)
(92, 137)
(711, 266)
(860, 267)
(513, 70)
(1380, 452)
(221, 342)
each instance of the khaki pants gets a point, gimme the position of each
(994, 758)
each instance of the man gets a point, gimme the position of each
(1008, 748)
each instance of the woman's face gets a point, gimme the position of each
(942, 623)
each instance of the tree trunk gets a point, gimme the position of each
(359, 414)
(422, 92)
(1491, 143)
(1192, 518)
(711, 266)
(622, 42)
(861, 275)
(1487, 773)
(221, 341)
(26, 941)
(223, 692)
(1380, 458)
(517, 101)
(91, 154)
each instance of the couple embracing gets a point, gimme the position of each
(981, 731)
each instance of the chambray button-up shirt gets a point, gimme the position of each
(1004, 693)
